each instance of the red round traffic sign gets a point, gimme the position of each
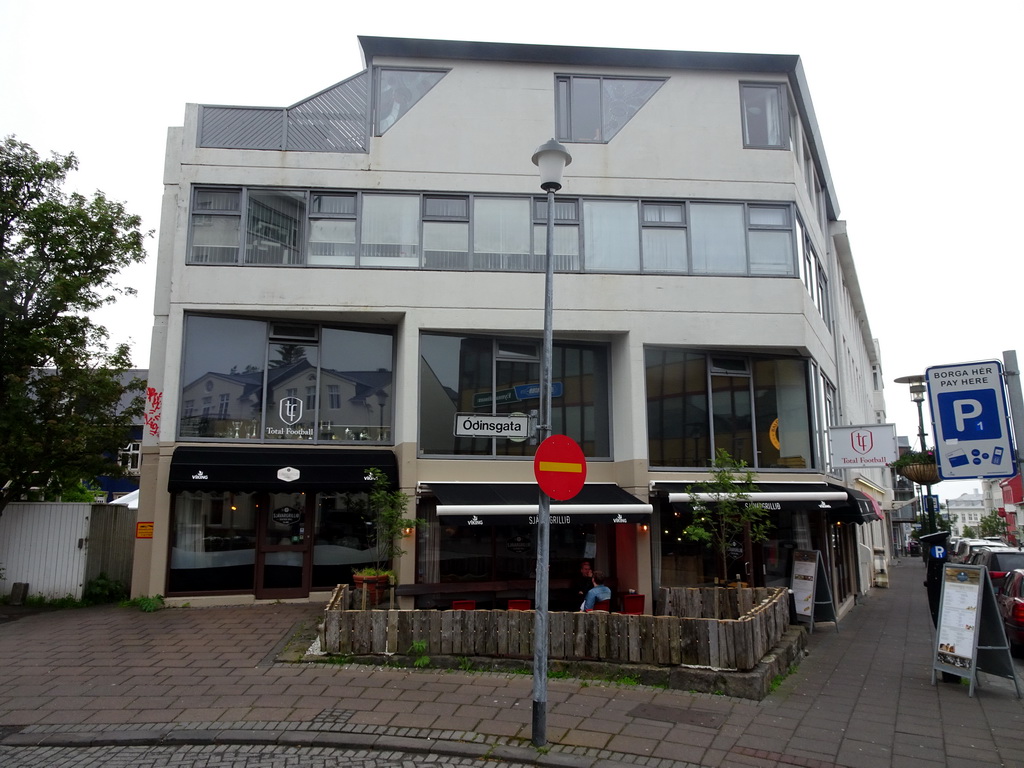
(560, 467)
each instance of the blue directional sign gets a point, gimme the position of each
(969, 418)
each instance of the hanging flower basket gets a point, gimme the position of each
(922, 474)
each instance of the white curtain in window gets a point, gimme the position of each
(665, 250)
(771, 253)
(390, 231)
(611, 236)
(501, 228)
(332, 242)
(718, 239)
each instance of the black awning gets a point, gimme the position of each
(839, 503)
(219, 468)
(517, 504)
(859, 508)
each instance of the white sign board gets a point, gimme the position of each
(515, 426)
(972, 432)
(868, 445)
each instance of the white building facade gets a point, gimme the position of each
(338, 280)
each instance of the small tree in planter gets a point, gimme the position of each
(386, 506)
(727, 514)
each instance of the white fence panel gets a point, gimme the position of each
(44, 545)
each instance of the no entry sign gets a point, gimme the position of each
(560, 467)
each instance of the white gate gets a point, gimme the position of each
(44, 545)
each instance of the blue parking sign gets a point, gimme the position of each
(969, 415)
(969, 418)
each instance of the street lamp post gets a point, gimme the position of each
(917, 393)
(550, 159)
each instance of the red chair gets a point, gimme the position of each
(519, 605)
(603, 605)
(463, 605)
(633, 604)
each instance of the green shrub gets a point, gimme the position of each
(145, 603)
(103, 590)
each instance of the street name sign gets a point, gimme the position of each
(512, 425)
(560, 467)
(969, 419)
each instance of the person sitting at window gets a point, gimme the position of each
(597, 593)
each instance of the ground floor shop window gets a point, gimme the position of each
(344, 538)
(792, 532)
(213, 542)
(483, 554)
(241, 542)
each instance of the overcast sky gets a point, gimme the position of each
(914, 101)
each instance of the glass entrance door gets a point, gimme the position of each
(283, 557)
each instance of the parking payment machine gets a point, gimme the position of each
(936, 555)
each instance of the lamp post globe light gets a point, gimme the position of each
(550, 159)
(917, 393)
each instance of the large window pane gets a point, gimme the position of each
(501, 234)
(446, 245)
(771, 253)
(356, 380)
(475, 375)
(213, 543)
(783, 419)
(215, 239)
(566, 247)
(732, 416)
(274, 227)
(343, 538)
(665, 250)
(291, 369)
(390, 231)
(764, 119)
(456, 375)
(585, 109)
(398, 90)
(718, 239)
(332, 242)
(223, 362)
(677, 408)
(611, 236)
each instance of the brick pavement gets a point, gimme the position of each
(211, 676)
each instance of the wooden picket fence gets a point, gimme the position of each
(730, 642)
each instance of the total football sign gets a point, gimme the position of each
(972, 432)
(868, 445)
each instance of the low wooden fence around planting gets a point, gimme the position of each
(742, 630)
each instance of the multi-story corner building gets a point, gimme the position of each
(341, 279)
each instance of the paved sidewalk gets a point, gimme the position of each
(211, 676)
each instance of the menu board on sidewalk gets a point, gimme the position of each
(969, 637)
(811, 591)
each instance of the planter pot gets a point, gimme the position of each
(922, 474)
(376, 587)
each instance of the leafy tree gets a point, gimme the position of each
(992, 525)
(969, 533)
(727, 515)
(65, 406)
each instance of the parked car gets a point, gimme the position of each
(966, 547)
(1011, 608)
(999, 561)
(913, 547)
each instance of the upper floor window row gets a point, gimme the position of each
(295, 227)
